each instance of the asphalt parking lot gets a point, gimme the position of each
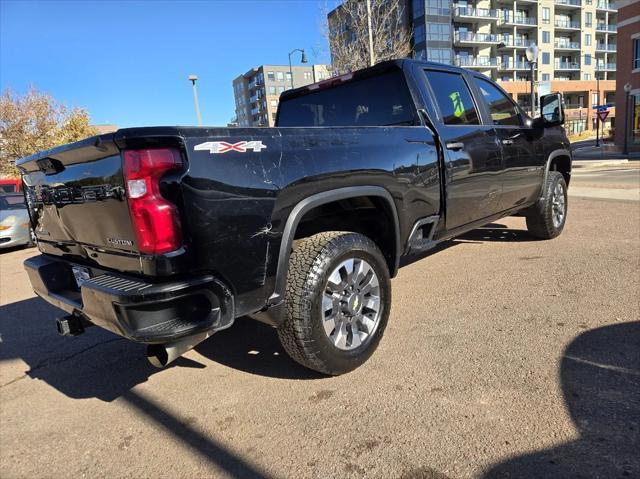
(504, 357)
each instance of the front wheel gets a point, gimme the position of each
(337, 301)
(546, 219)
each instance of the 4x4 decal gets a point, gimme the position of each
(216, 147)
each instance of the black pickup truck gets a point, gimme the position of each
(165, 235)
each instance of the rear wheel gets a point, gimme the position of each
(338, 300)
(546, 219)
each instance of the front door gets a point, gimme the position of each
(472, 154)
(521, 154)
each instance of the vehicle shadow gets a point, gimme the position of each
(600, 379)
(105, 366)
(98, 364)
(253, 347)
(95, 364)
(493, 232)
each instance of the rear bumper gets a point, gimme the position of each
(136, 309)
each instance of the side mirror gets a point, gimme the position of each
(552, 110)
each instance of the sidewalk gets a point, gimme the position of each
(603, 152)
(604, 193)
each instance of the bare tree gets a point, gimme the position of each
(347, 33)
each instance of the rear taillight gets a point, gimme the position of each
(155, 219)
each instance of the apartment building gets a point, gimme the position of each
(577, 40)
(257, 92)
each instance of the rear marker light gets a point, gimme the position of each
(155, 219)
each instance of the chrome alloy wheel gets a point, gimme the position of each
(351, 304)
(558, 205)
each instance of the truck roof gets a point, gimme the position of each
(365, 72)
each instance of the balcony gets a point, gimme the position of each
(511, 65)
(604, 28)
(517, 42)
(468, 13)
(566, 45)
(476, 62)
(567, 66)
(469, 38)
(569, 4)
(606, 67)
(605, 5)
(566, 24)
(611, 47)
(519, 21)
(573, 106)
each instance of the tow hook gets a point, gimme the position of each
(71, 325)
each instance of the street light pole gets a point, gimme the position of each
(193, 79)
(627, 114)
(533, 95)
(303, 59)
(598, 102)
(532, 57)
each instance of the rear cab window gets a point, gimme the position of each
(381, 100)
(453, 98)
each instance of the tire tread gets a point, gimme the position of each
(305, 269)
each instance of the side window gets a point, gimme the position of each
(453, 98)
(502, 109)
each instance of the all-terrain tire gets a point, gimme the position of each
(302, 333)
(546, 219)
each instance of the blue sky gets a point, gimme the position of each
(127, 62)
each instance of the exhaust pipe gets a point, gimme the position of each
(162, 354)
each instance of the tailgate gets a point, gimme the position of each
(77, 200)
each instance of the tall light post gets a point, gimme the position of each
(627, 115)
(193, 79)
(532, 57)
(303, 59)
(598, 102)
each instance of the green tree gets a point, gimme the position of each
(35, 121)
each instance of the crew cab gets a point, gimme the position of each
(165, 235)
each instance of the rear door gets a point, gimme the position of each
(521, 153)
(472, 153)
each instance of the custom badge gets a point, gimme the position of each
(216, 147)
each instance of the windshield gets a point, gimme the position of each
(12, 202)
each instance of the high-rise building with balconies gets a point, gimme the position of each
(576, 40)
(257, 92)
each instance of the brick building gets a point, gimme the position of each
(628, 61)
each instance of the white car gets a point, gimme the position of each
(14, 221)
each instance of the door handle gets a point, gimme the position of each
(455, 146)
